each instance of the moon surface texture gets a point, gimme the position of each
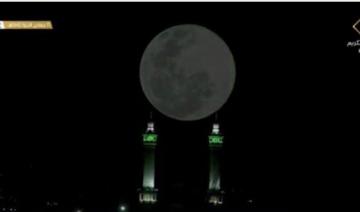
(187, 72)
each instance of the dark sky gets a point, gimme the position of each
(73, 110)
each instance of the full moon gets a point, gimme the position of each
(187, 72)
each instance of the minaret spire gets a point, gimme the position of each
(215, 192)
(148, 192)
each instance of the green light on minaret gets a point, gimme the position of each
(216, 139)
(150, 138)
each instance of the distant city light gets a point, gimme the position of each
(52, 203)
(8, 209)
(122, 208)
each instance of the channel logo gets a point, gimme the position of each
(26, 25)
(356, 26)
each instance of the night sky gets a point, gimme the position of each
(73, 111)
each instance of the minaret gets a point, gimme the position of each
(215, 195)
(148, 193)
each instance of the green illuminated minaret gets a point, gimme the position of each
(215, 195)
(148, 193)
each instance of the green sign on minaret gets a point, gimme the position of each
(216, 139)
(149, 138)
